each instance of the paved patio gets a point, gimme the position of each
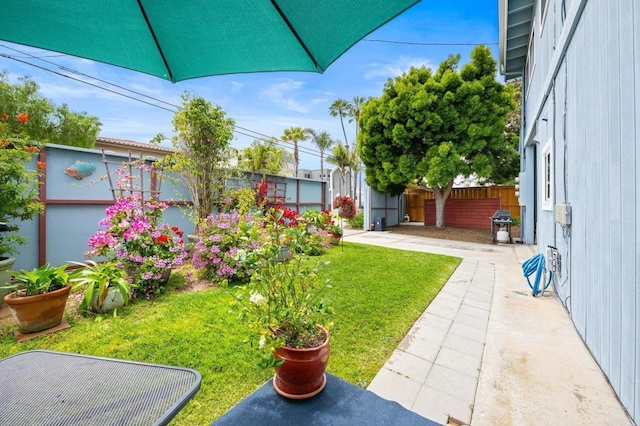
(485, 352)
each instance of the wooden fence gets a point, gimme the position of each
(415, 199)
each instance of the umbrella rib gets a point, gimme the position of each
(295, 33)
(155, 40)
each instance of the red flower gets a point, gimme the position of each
(5, 116)
(162, 239)
(23, 117)
(41, 165)
(31, 148)
(175, 228)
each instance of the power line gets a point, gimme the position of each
(86, 75)
(416, 43)
(82, 81)
(261, 136)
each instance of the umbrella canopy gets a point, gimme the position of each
(183, 39)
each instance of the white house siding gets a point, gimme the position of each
(585, 97)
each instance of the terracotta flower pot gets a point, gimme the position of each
(40, 312)
(335, 238)
(301, 376)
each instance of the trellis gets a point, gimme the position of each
(118, 192)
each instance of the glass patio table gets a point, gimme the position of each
(55, 388)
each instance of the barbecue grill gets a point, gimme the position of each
(499, 219)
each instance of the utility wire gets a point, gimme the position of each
(82, 81)
(261, 136)
(63, 68)
(416, 43)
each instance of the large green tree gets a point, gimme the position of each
(507, 164)
(47, 123)
(428, 128)
(202, 151)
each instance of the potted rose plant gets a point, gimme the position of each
(283, 303)
(18, 188)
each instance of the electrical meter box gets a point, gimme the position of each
(562, 213)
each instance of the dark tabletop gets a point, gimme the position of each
(339, 404)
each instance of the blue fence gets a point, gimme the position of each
(74, 207)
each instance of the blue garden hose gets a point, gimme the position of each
(536, 264)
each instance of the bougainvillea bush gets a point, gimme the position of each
(225, 245)
(135, 236)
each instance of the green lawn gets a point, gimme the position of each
(377, 295)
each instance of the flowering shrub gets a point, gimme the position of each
(266, 194)
(290, 217)
(225, 242)
(18, 184)
(135, 237)
(346, 205)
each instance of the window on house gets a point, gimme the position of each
(308, 176)
(547, 176)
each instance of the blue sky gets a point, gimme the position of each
(270, 102)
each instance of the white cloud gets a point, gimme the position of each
(394, 68)
(235, 86)
(280, 94)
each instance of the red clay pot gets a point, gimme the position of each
(40, 312)
(335, 238)
(301, 376)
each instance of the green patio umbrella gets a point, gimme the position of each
(183, 39)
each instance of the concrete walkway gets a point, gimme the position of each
(485, 352)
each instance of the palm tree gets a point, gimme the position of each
(263, 157)
(341, 108)
(323, 141)
(356, 169)
(342, 159)
(355, 108)
(295, 135)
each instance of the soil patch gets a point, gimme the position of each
(472, 235)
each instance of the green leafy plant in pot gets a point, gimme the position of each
(283, 304)
(105, 286)
(39, 296)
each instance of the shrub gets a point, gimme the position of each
(134, 237)
(358, 221)
(225, 241)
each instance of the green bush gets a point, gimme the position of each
(358, 221)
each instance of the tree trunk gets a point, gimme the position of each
(441, 195)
